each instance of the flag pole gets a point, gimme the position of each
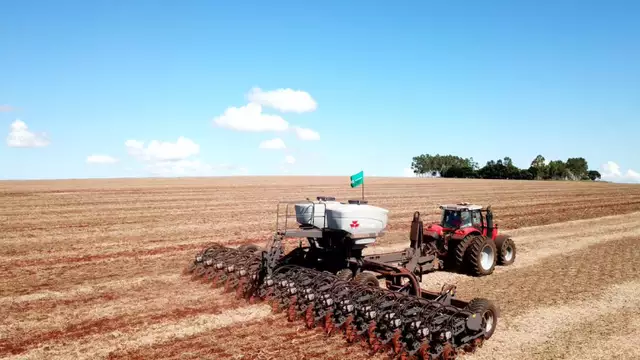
(362, 185)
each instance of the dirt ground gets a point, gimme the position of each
(92, 268)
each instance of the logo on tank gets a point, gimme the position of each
(354, 224)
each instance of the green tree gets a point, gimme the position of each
(594, 175)
(511, 171)
(538, 167)
(428, 164)
(578, 168)
(459, 167)
(557, 170)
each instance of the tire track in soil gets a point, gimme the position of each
(544, 329)
(75, 292)
(102, 344)
(579, 275)
(63, 277)
(120, 323)
(608, 336)
(154, 249)
(270, 338)
(94, 258)
(21, 319)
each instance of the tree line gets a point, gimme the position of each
(450, 166)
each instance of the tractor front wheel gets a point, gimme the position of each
(460, 251)
(506, 251)
(481, 256)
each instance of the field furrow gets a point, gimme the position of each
(92, 268)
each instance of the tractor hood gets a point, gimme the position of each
(434, 230)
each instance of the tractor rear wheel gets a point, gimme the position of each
(366, 278)
(481, 256)
(506, 251)
(489, 313)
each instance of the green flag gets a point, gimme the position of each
(357, 179)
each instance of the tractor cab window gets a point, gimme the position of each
(476, 219)
(456, 219)
(451, 219)
(465, 219)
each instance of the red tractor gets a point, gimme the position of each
(467, 239)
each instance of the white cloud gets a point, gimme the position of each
(284, 100)
(163, 151)
(611, 172)
(289, 159)
(20, 136)
(165, 158)
(611, 169)
(306, 134)
(250, 118)
(179, 168)
(276, 143)
(101, 159)
(191, 168)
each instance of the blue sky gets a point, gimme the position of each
(372, 85)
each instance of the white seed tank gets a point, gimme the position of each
(314, 213)
(353, 218)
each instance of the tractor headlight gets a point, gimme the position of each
(397, 322)
(447, 335)
(424, 332)
(269, 281)
(198, 258)
(209, 262)
(219, 266)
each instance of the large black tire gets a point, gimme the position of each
(506, 251)
(461, 250)
(481, 256)
(366, 278)
(489, 312)
(344, 274)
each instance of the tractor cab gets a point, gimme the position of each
(461, 216)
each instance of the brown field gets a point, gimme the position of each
(91, 268)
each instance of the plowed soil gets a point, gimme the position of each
(91, 268)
